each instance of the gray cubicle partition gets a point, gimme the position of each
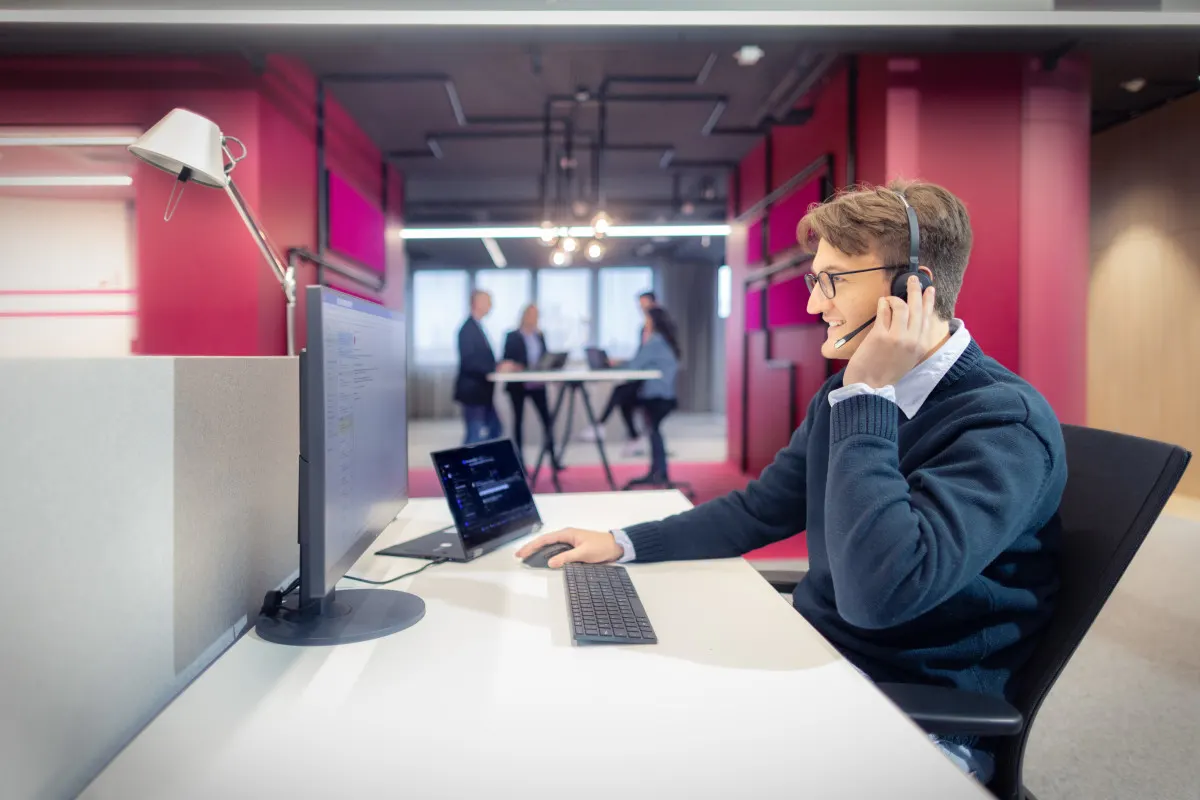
(146, 504)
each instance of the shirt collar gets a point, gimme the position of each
(914, 388)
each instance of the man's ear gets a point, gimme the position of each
(927, 271)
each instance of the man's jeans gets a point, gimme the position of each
(482, 423)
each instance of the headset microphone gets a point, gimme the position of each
(838, 344)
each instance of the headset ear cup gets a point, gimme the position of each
(900, 284)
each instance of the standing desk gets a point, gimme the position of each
(488, 697)
(571, 382)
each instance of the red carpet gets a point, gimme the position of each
(708, 480)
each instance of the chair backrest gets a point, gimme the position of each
(1116, 488)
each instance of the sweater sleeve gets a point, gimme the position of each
(900, 546)
(768, 510)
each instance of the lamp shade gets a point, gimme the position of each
(184, 140)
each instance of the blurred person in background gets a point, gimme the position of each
(522, 349)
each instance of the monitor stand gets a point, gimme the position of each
(344, 617)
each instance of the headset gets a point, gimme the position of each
(900, 282)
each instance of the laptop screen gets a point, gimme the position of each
(486, 489)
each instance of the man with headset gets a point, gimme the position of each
(926, 475)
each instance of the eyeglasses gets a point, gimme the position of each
(825, 279)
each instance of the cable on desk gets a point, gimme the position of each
(273, 600)
(398, 577)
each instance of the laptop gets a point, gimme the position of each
(489, 498)
(597, 358)
(550, 362)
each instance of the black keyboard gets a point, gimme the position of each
(605, 608)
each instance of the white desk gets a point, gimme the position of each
(571, 383)
(488, 697)
(576, 376)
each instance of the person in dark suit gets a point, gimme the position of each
(476, 361)
(522, 348)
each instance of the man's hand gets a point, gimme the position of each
(897, 341)
(590, 547)
(508, 366)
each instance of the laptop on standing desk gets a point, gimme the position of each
(489, 498)
(597, 359)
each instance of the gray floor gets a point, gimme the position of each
(1123, 720)
(691, 438)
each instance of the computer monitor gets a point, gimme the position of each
(353, 470)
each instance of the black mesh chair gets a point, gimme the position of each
(1116, 488)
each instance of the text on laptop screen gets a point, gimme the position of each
(486, 489)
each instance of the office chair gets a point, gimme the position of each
(1116, 488)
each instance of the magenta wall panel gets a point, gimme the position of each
(787, 304)
(754, 251)
(754, 320)
(356, 225)
(787, 213)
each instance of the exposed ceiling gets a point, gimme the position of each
(665, 161)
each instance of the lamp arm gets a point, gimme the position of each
(284, 273)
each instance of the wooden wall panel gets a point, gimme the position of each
(1144, 293)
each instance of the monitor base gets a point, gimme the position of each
(357, 615)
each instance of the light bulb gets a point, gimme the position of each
(548, 233)
(569, 245)
(558, 258)
(595, 251)
(601, 223)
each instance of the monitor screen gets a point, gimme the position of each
(354, 441)
(486, 489)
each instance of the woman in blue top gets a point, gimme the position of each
(657, 396)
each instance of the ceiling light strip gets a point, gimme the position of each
(66, 141)
(64, 180)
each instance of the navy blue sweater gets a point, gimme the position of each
(933, 542)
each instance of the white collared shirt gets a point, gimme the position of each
(911, 391)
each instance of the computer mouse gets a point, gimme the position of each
(541, 557)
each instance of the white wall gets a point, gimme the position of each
(66, 277)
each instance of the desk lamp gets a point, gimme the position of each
(193, 149)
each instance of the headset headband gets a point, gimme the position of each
(914, 235)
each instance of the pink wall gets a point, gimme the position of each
(960, 118)
(356, 225)
(1055, 219)
(1012, 142)
(787, 304)
(786, 215)
(202, 285)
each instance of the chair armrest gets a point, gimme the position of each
(952, 712)
(783, 580)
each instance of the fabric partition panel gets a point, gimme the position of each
(787, 304)
(357, 228)
(754, 319)
(785, 216)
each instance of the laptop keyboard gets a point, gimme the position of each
(604, 606)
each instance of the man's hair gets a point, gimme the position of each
(650, 295)
(865, 219)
